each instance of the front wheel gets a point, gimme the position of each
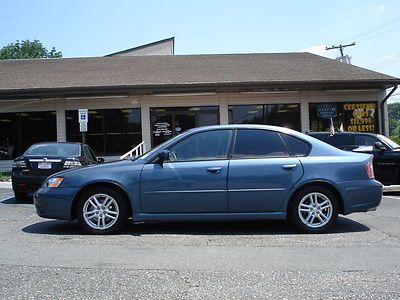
(101, 211)
(313, 210)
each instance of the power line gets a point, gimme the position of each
(369, 31)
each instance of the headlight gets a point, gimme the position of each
(54, 182)
(72, 164)
(19, 164)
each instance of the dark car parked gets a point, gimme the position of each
(44, 159)
(386, 152)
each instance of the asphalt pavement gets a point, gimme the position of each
(47, 259)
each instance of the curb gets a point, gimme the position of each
(391, 188)
(5, 185)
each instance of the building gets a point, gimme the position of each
(152, 98)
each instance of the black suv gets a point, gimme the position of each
(44, 159)
(386, 152)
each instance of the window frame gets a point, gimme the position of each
(232, 134)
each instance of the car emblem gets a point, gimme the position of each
(44, 158)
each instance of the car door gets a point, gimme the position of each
(261, 172)
(385, 161)
(194, 178)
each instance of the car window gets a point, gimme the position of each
(341, 140)
(92, 153)
(53, 149)
(321, 137)
(252, 143)
(202, 146)
(295, 146)
(87, 153)
(365, 140)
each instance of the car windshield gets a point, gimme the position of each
(53, 150)
(388, 141)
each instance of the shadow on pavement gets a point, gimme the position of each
(13, 200)
(343, 225)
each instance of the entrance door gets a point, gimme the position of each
(171, 121)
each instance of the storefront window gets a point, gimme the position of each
(20, 130)
(167, 122)
(285, 115)
(110, 131)
(346, 116)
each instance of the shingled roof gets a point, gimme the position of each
(189, 71)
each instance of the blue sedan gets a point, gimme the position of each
(226, 172)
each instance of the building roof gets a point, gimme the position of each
(142, 73)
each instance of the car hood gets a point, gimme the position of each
(98, 168)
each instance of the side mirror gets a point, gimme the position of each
(379, 146)
(100, 160)
(163, 156)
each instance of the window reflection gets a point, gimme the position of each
(110, 131)
(285, 115)
(20, 130)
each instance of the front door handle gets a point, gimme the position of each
(289, 167)
(214, 170)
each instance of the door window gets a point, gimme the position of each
(259, 143)
(202, 146)
(295, 146)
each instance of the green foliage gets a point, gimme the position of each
(395, 138)
(394, 121)
(5, 176)
(27, 49)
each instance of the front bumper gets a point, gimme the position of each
(360, 196)
(55, 203)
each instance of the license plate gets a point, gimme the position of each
(44, 165)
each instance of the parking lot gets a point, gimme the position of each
(359, 258)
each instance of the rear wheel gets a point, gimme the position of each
(313, 210)
(101, 211)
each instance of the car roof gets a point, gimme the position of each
(45, 143)
(342, 133)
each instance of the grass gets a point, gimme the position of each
(5, 176)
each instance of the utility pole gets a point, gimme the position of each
(341, 47)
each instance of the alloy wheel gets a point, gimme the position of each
(100, 211)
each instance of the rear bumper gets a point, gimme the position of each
(55, 203)
(27, 184)
(360, 196)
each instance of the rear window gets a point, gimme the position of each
(341, 140)
(53, 150)
(295, 146)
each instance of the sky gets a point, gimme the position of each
(99, 27)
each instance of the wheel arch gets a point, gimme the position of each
(319, 183)
(100, 184)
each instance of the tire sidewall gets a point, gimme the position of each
(294, 217)
(122, 206)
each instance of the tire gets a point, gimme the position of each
(21, 196)
(308, 215)
(100, 218)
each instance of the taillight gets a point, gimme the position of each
(369, 167)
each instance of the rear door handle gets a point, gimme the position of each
(214, 170)
(289, 167)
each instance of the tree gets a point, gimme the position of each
(27, 49)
